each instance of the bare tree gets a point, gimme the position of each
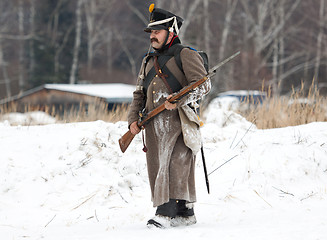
(206, 27)
(128, 53)
(321, 23)
(60, 47)
(137, 12)
(281, 41)
(109, 52)
(95, 22)
(53, 24)
(31, 41)
(5, 26)
(6, 78)
(21, 68)
(72, 78)
(231, 6)
(275, 48)
(267, 28)
(99, 32)
(189, 13)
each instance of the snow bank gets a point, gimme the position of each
(27, 119)
(70, 181)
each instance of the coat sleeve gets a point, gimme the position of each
(194, 70)
(138, 98)
(135, 107)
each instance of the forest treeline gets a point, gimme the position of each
(282, 42)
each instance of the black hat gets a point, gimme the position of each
(162, 19)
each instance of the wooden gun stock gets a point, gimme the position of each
(128, 137)
(125, 140)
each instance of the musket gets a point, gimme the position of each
(128, 137)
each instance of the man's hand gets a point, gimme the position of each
(134, 128)
(168, 105)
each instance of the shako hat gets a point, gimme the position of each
(162, 19)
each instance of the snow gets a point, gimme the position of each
(70, 181)
(29, 118)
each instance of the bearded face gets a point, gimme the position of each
(158, 38)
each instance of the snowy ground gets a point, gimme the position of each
(70, 181)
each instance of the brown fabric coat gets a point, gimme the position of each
(170, 162)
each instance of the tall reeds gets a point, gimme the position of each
(80, 113)
(300, 107)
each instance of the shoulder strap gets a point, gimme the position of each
(173, 83)
(177, 56)
(162, 60)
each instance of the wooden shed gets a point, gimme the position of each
(68, 96)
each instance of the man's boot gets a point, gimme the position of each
(185, 214)
(164, 214)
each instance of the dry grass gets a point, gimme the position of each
(95, 112)
(274, 112)
(300, 108)
(81, 113)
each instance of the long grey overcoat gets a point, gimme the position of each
(170, 162)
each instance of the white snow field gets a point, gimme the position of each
(70, 181)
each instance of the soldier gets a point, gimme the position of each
(172, 138)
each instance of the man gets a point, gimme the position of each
(172, 137)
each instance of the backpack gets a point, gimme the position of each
(179, 61)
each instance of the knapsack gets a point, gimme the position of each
(177, 56)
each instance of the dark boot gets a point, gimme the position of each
(164, 214)
(183, 210)
(168, 209)
(185, 215)
(173, 213)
